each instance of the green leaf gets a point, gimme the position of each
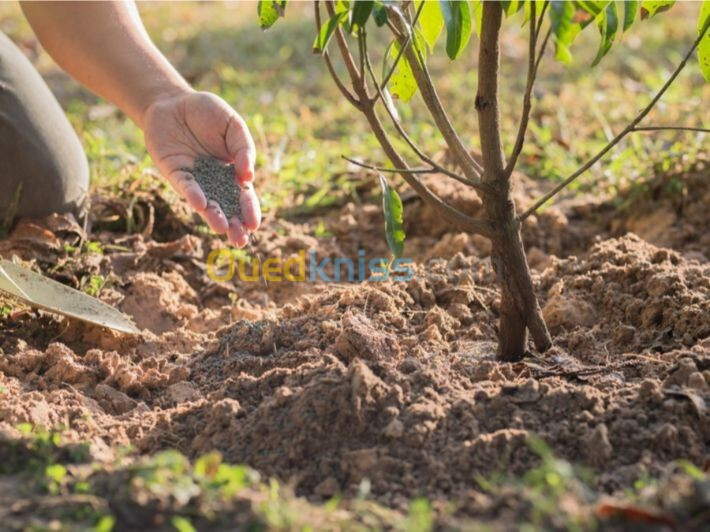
(182, 524)
(457, 18)
(704, 16)
(527, 8)
(56, 472)
(430, 22)
(105, 524)
(327, 30)
(402, 84)
(379, 13)
(630, 9)
(269, 12)
(650, 8)
(394, 225)
(564, 29)
(477, 13)
(704, 45)
(360, 13)
(511, 7)
(207, 465)
(608, 25)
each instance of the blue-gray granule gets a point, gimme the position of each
(216, 180)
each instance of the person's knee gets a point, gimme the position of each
(40, 177)
(43, 168)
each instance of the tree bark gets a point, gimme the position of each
(519, 309)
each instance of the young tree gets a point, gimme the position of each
(415, 28)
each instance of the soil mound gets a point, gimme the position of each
(396, 382)
(393, 382)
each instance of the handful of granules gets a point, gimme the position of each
(217, 182)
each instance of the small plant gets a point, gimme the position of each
(5, 310)
(93, 284)
(415, 28)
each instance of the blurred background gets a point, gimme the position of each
(302, 126)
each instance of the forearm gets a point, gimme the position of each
(104, 46)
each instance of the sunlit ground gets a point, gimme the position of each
(302, 126)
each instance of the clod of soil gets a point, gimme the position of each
(322, 386)
(217, 182)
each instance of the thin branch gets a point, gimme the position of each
(671, 128)
(400, 129)
(533, 66)
(326, 57)
(402, 48)
(449, 213)
(471, 168)
(390, 170)
(527, 97)
(540, 19)
(541, 53)
(357, 79)
(628, 129)
(361, 51)
(418, 170)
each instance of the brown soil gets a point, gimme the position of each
(323, 386)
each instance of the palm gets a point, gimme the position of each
(182, 128)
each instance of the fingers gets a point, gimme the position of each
(241, 147)
(185, 185)
(236, 233)
(251, 210)
(244, 165)
(215, 218)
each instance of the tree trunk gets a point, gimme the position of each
(519, 309)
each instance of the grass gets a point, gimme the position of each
(302, 126)
(58, 486)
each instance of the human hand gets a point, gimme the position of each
(185, 125)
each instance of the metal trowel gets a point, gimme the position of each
(41, 292)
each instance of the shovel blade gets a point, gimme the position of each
(47, 294)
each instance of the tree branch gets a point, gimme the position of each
(533, 65)
(449, 213)
(671, 128)
(470, 167)
(400, 129)
(326, 57)
(402, 49)
(487, 101)
(527, 97)
(390, 170)
(541, 18)
(628, 129)
(542, 49)
(358, 80)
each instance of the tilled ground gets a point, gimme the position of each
(325, 386)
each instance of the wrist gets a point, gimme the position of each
(164, 92)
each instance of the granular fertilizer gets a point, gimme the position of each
(217, 182)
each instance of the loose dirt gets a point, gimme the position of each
(323, 385)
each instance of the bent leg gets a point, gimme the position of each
(40, 154)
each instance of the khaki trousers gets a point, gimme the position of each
(43, 168)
